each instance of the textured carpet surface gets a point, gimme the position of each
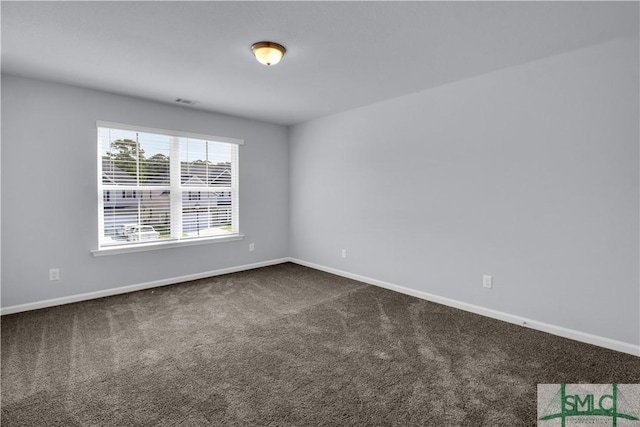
(282, 346)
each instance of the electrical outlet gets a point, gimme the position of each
(487, 281)
(54, 274)
(344, 253)
(252, 247)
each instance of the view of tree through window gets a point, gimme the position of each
(162, 187)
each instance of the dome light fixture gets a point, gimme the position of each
(268, 53)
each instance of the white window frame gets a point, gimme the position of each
(176, 193)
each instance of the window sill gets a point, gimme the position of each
(143, 247)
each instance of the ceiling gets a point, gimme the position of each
(340, 55)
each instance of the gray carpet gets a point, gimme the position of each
(282, 346)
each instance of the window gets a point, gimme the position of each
(160, 186)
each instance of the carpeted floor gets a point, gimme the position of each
(282, 346)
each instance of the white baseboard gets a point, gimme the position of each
(506, 317)
(133, 288)
(522, 321)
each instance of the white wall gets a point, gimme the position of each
(49, 192)
(529, 174)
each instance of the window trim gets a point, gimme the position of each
(154, 246)
(177, 133)
(169, 243)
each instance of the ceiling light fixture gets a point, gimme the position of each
(268, 53)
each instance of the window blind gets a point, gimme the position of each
(160, 186)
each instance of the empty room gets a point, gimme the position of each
(314, 213)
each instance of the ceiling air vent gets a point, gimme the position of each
(185, 101)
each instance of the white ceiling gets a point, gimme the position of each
(341, 55)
